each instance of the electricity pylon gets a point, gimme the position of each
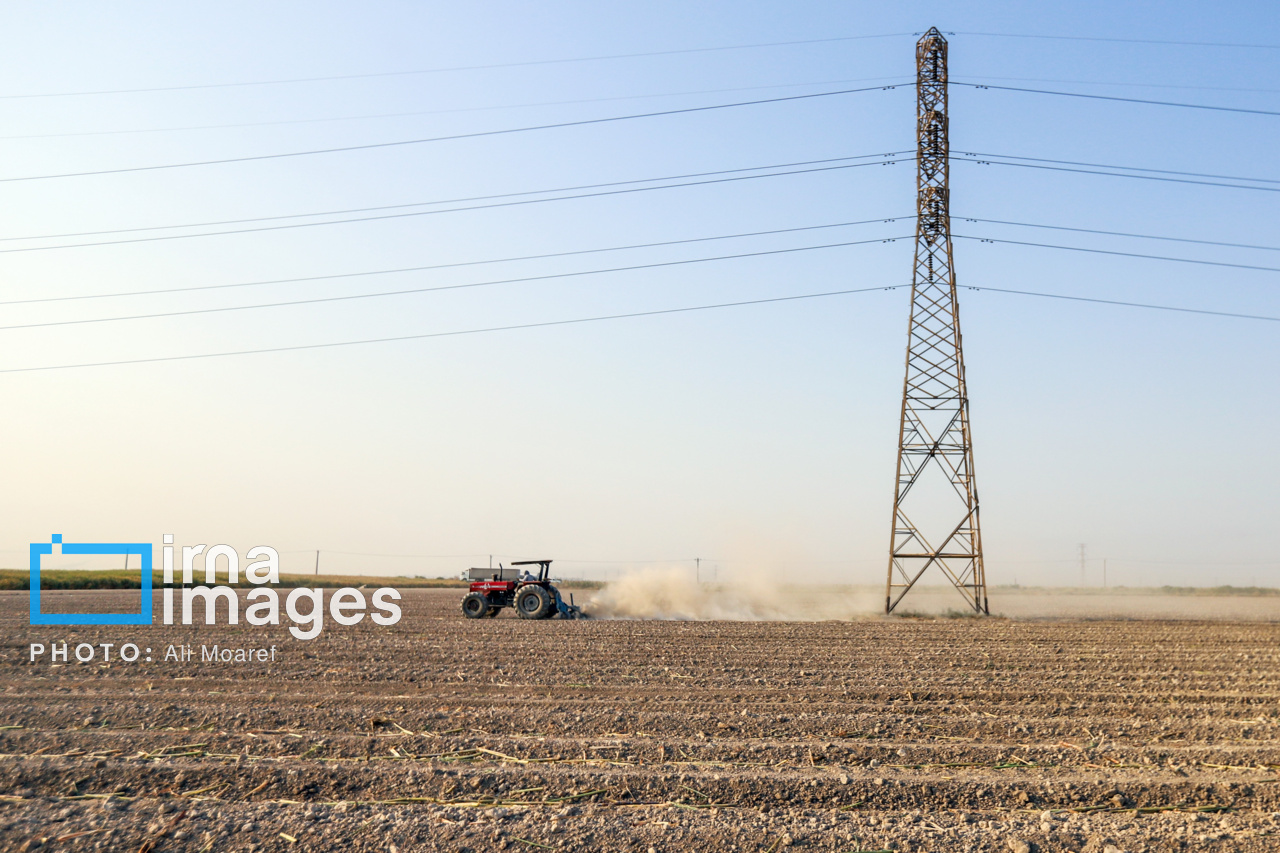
(934, 443)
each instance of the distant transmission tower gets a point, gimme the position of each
(935, 454)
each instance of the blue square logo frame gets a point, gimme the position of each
(143, 617)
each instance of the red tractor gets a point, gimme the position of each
(533, 596)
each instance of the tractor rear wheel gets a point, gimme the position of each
(475, 605)
(534, 602)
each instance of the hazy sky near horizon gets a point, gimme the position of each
(757, 437)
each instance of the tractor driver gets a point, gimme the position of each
(527, 577)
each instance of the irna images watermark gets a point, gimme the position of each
(257, 600)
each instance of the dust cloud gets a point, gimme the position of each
(673, 593)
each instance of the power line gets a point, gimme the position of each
(1123, 100)
(991, 162)
(344, 211)
(897, 80)
(1121, 254)
(581, 320)
(381, 217)
(455, 136)
(1107, 83)
(448, 69)
(456, 333)
(1114, 234)
(1122, 40)
(409, 291)
(284, 122)
(1127, 304)
(395, 270)
(886, 155)
(596, 58)
(1129, 168)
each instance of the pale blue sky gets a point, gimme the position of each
(761, 433)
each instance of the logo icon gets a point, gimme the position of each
(142, 617)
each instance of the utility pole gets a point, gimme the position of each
(1082, 566)
(1104, 572)
(697, 569)
(317, 561)
(935, 452)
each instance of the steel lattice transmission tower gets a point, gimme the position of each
(935, 454)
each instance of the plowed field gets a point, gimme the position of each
(446, 734)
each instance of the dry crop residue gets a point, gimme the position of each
(449, 734)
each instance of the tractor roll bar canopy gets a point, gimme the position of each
(543, 572)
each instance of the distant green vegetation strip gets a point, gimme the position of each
(1219, 590)
(1138, 590)
(111, 579)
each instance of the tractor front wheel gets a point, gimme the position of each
(534, 602)
(475, 606)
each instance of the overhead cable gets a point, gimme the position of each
(1116, 234)
(1127, 168)
(450, 137)
(396, 270)
(445, 69)
(1111, 83)
(897, 80)
(465, 286)
(1213, 107)
(1251, 45)
(344, 211)
(601, 194)
(601, 318)
(1121, 254)
(1128, 304)
(989, 161)
(456, 333)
